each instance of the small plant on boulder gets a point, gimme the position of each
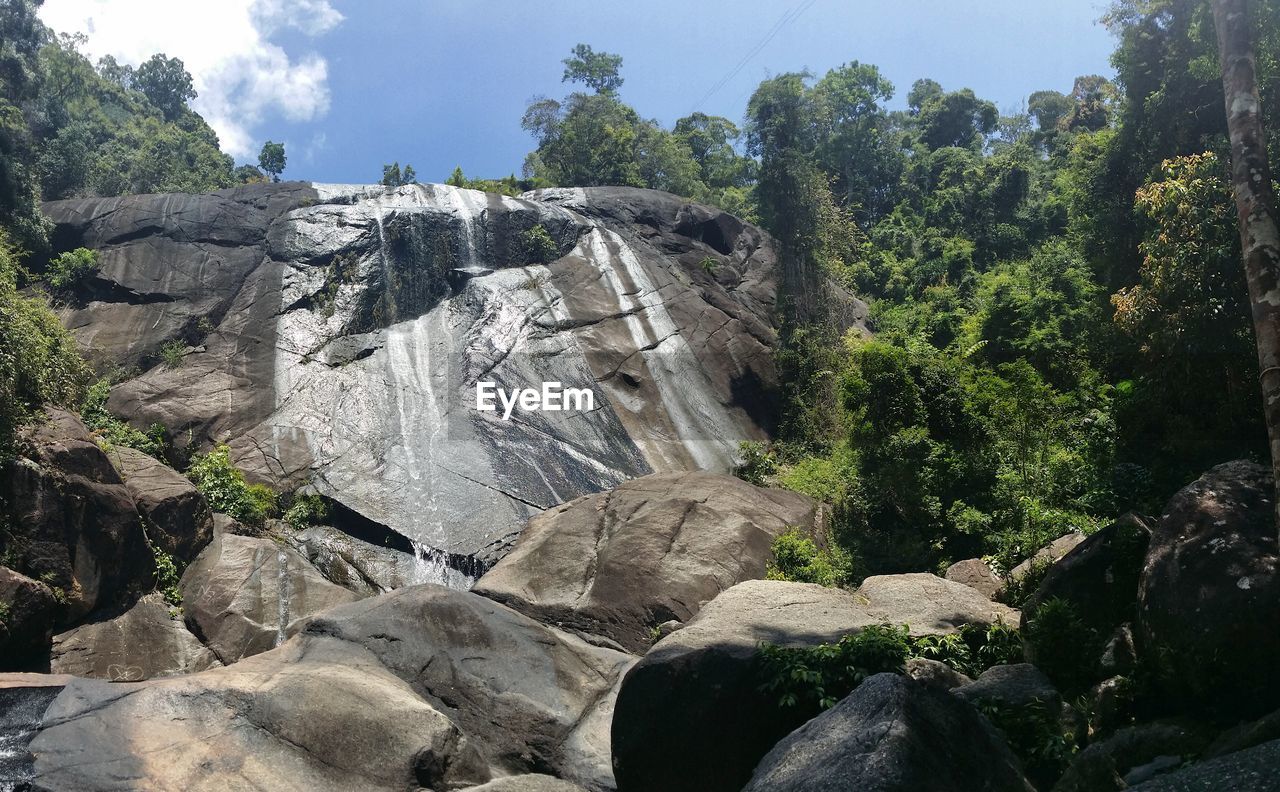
(72, 268)
(225, 487)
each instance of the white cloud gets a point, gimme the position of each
(239, 74)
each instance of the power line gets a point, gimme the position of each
(788, 16)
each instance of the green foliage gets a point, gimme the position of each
(224, 486)
(167, 576)
(173, 352)
(797, 558)
(539, 247)
(1063, 645)
(756, 463)
(597, 70)
(1038, 737)
(166, 84)
(1018, 590)
(114, 431)
(71, 268)
(307, 509)
(814, 678)
(272, 159)
(392, 176)
(39, 361)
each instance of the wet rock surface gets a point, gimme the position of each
(335, 334)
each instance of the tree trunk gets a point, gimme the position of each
(1255, 205)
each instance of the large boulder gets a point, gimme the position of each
(1209, 596)
(1250, 770)
(178, 519)
(27, 613)
(530, 698)
(976, 573)
(244, 595)
(654, 549)
(73, 525)
(1012, 687)
(892, 734)
(1098, 582)
(1103, 766)
(1047, 556)
(529, 782)
(691, 714)
(316, 714)
(146, 641)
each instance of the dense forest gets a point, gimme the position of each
(1058, 323)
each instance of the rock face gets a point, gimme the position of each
(529, 697)
(143, 643)
(1012, 686)
(1209, 597)
(621, 562)
(75, 527)
(892, 734)
(244, 595)
(1047, 555)
(336, 335)
(691, 715)
(1102, 766)
(26, 620)
(177, 518)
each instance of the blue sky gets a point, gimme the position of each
(352, 84)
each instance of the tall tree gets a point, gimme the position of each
(166, 84)
(1255, 205)
(271, 159)
(596, 70)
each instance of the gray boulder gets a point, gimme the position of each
(691, 716)
(1251, 770)
(244, 595)
(1209, 596)
(935, 673)
(146, 641)
(529, 697)
(1048, 555)
(1102, 766)
(73, 525)
(178, 519)
(653, 549)
(316, 714)
(892, 734)
(27, 614)
(1012, 687)
(975, 573)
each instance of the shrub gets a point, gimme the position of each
(1063, 644)
(39, 361)
(757, 462)
(1037, 736)
(1017, 591)
(167, 577)
(797, 558)
(815, 678)
(114, 431)
(224, 486)
(173, 352)
(307, 509)
(539, 247)
(71, 268)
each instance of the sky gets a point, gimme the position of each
(349, 85)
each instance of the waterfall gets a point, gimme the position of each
(282, 575)
(431, 565)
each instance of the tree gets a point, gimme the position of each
(271, 159)
(166, 84)
(391, 175)
(456, 179)
(1048, 108)
(1255, 205)
(409, 175)
(596, 70)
